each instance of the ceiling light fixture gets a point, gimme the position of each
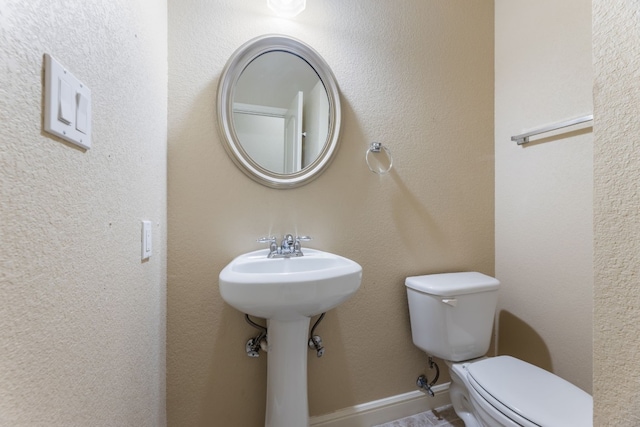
(287, 8)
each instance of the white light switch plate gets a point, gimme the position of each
(67, 104)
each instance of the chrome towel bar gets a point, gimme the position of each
(524, 138)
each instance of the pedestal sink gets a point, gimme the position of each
(288, 292)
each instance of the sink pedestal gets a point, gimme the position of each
(287, 403)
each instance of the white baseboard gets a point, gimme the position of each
(384, 410)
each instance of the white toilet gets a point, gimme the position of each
(452, 318)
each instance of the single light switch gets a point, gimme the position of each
(146, 239)
(67, 104)
(81, 113)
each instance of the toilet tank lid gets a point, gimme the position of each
(451, 284)
(531, 392)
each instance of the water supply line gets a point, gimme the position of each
(423, 383)
(315, 342)
(257, 343)
(261, 341)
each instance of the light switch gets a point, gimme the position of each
(67, 104)
(81, 113)
(147, 236)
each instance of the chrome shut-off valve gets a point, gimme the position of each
(315, 343)
(254, 345)
(253, 348)
(423, 383)
(257, 343)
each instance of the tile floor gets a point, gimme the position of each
(444, 416)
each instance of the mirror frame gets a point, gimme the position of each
(240, 59)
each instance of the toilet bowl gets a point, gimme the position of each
(451, 318)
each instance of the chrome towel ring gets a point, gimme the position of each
(383, 166)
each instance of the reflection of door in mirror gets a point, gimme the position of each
(275, 137)
(262, 132)
(272, 136)
(316, 123)
(293, 136)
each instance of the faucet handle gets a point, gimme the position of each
(297, 247)
(273, 245)
(266, 240)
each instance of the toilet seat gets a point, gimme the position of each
(528, 395)
(491, 410)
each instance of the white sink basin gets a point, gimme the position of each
(289, 288)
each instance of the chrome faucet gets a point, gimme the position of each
(287, 244)
(289, 247)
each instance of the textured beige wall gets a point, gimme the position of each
(616, 54)
(544, 190)
(415, 75)
(82, 319)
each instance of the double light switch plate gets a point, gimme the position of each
(67, 104)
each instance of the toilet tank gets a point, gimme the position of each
(452, 313)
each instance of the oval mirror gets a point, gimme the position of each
(279, 111)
